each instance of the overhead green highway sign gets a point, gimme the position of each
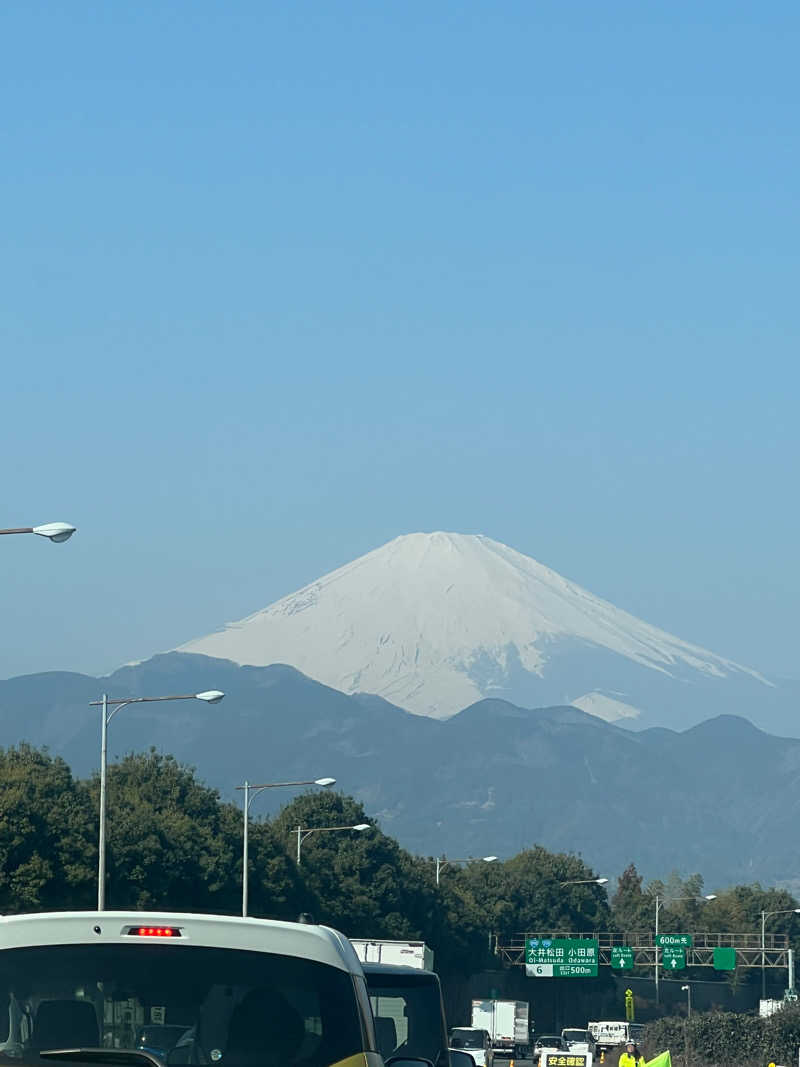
(621, 957)
(724, 959)
(674, 940)
(674, 959)
(561, 957)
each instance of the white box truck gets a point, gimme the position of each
(769, 1007)
(507, 1024)
(397, 953)
(609, 1034)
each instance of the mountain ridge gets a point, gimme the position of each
(493, 779)
(435, 622)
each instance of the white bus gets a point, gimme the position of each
(187, 989)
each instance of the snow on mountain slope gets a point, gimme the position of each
(434, 622)
(605, 707)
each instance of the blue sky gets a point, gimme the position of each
(282, 281)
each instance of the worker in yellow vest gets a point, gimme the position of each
(631, 1057)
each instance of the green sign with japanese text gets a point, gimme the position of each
(674, 959)
(561, 957)
(621, 957)
(674, 940)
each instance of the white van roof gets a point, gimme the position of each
(319, 943)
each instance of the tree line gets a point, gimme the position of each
(173, 843)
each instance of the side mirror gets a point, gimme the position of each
(408, 1061)
(461, 1059)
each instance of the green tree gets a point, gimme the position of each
(354, 878)
(683, 907)
(367, 886)
(632, 909)
(172, 844)
(275, 888)
(449, 917)
(525, 893)
(739, 908)
(47, 834)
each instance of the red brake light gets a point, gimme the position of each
(154, 931)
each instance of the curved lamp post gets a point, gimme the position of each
(210, 696)
(764, 916)
(660, 902)
(687, 989)
(303, 833)
(250, 793)
(53, 531)
(585, 881)
(441, 862)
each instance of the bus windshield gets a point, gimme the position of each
(186, 1004)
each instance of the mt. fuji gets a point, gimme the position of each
(434, 622)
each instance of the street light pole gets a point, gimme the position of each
(250, 793)
(101, 843)
(655, 944)
(585, 881)
(764, 916)
(245, 835)
(53, 531)
(441, 862)
(687, 989)
(660, 902)
(763, 956)
(303, 833)
(211, 696)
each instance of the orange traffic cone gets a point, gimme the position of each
(602, 1055)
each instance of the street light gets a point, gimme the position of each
(250, 793)
(687, 989)
(660, 902)
(585, 881)
(53, 531)
(303, 833)
(764, 916)
(210, 696)
(441, 863)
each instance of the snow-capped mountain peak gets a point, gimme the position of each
(434, 622)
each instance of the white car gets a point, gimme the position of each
(579, 1040)
(548, 1043)
(474, 1041)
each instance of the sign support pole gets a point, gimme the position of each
(655, 944)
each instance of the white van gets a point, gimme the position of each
(205, 989)
(476, 1042)
(579, 1040)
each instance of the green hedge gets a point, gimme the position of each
(725, 1039)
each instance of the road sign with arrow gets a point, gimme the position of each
(621, 957)
(674, 959)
